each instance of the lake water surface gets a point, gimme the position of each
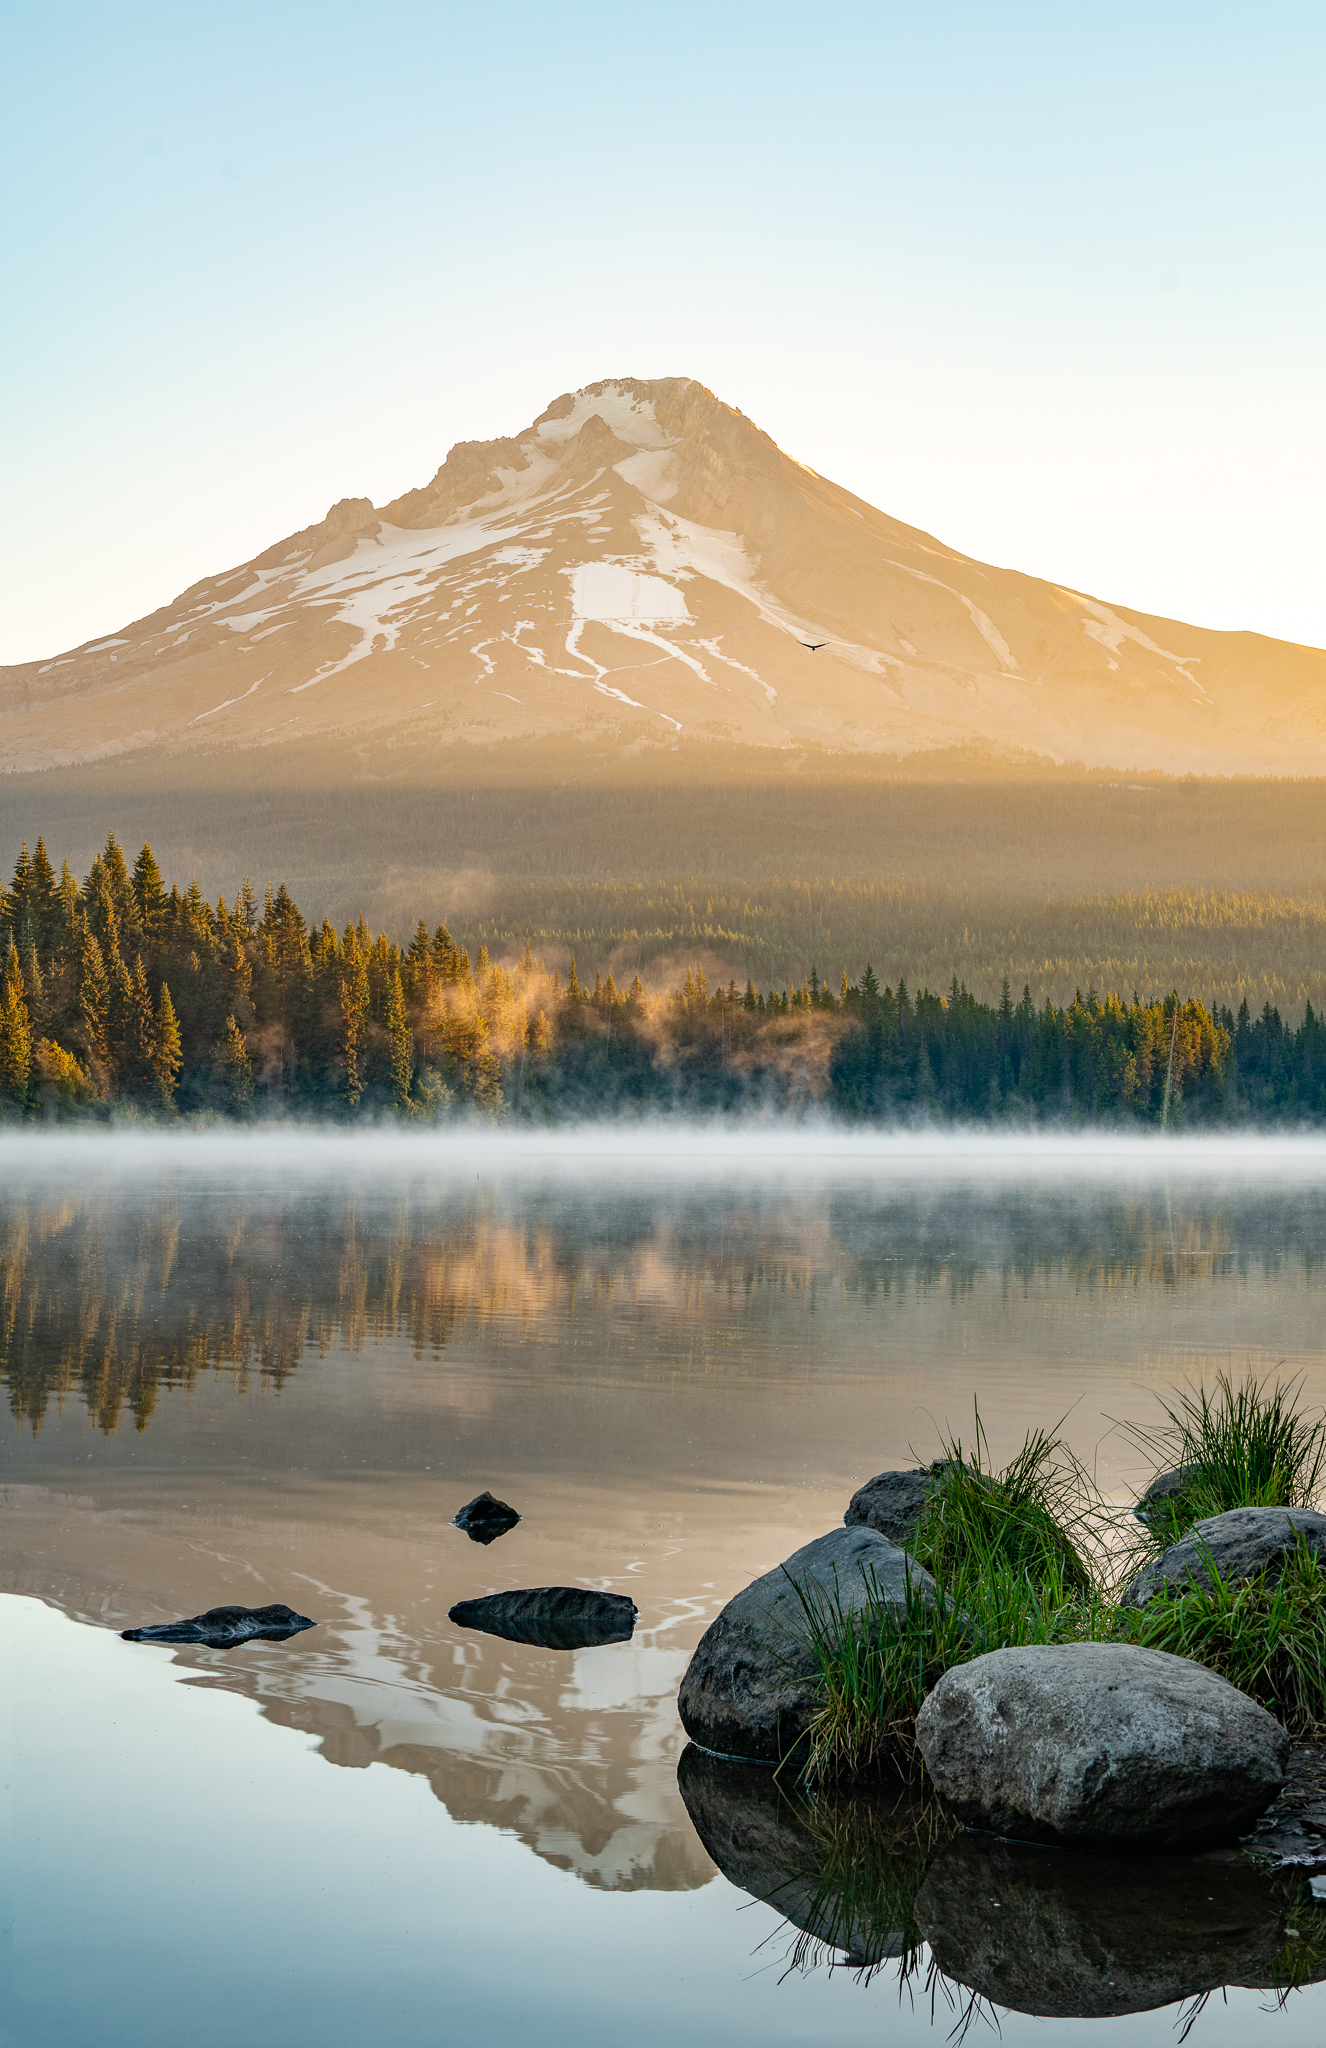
(271, 1369)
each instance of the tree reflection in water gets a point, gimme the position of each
(118, 1292)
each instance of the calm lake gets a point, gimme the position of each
(252, 1369)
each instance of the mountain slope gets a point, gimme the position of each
(642, 558)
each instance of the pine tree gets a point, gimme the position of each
(16, 901)
(401, 1043)
(421, 971)
(354, 1011)
(66, 913)
(149, 893)
(34, 987)
(234, 1069)
(120, 1033)
(93, 993)
(142, 1032)
(43, 916)
(574, 992)
(15, 1036)
(167, 1055)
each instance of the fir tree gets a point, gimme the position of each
(142, 1033)
(166, 1053)
(234, 1069)
(246, 908)
(93, 994)
(15, 1036)
(354, 1012)
(34, 986)
(148, 893)
(401, 1043)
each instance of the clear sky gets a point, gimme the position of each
(1046, 280)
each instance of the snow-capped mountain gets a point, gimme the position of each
(643, 557)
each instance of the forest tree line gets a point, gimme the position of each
(122, 997)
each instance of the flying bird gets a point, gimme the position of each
(814, 645)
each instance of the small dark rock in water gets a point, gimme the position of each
(550, 1617)
(892, 1503)
(485, 1518)
(1240, 1543)
(1070, 1934)
(221, 1628)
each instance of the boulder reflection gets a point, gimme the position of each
(844, 1870)
(1053, 1933)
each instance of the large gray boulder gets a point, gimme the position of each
(1241, 1543)
(892, 1503)
(1100, 1743)
(1090, 1936)
(749, 1690)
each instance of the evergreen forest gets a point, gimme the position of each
(122, 998)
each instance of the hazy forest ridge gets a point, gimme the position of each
(122, 997)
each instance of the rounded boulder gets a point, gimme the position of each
(892, 1503)
(1240, 1543)
(750, 1689)
(1101, 1744)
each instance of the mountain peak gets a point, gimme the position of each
(642, 556)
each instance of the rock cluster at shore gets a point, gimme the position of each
(1089, 1743)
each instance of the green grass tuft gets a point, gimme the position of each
(1249, 1444)
(1032, 1519)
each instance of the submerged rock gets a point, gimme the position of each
(1100, 1743)
(485, 1518)
(843, 1869)
(1062, 1934)
(1240, 1543)
(892, 1503)
(221, 1628)
(749, 1690)
(551, 1617)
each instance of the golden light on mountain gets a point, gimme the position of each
(642, 559)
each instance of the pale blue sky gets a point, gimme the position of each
(1046, 280)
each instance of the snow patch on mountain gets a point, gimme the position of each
(611, 592)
